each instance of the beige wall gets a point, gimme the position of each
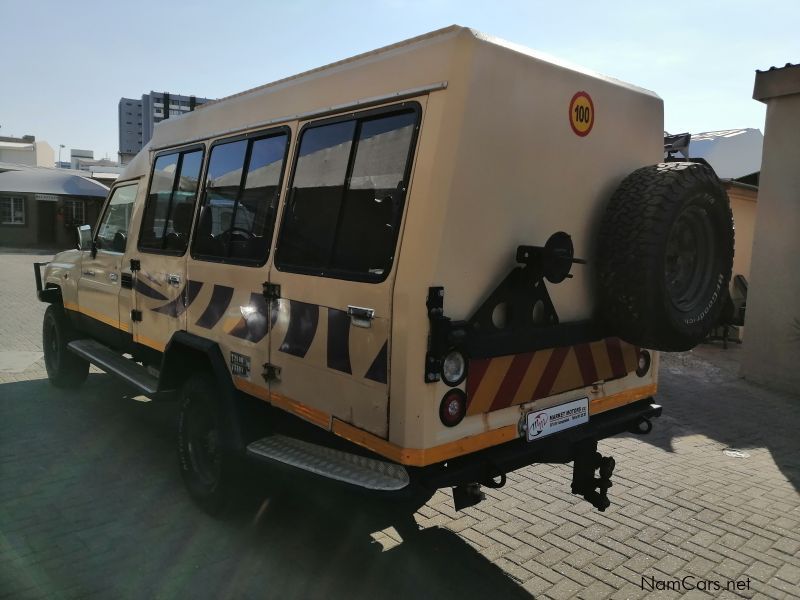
(772, 346)
(743, 205)
(45, 156)
(35, 154)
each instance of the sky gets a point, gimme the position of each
(67, 64)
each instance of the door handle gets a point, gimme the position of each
(173, 279)
(89, 273)
(113, 277)
(360, 316)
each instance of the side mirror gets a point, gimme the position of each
(85, 237)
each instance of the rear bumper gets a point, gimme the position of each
(559, 448)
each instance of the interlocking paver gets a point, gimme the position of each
(91, 505)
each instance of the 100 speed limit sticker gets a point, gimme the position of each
(581, 113)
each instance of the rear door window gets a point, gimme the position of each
(347, 195)
(168, 212)
(241, 191)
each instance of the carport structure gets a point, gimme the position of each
(41, 207)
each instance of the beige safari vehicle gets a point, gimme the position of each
(431, 264)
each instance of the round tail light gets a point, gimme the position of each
(453, 408)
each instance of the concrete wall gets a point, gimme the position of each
(772, 345)
(45, 156)
(743, 204)
(35, 154)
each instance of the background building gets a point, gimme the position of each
(772, 344)
(26, 151)
(42, 206)
(137, 118)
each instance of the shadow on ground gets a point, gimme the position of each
(92, 503)
(703, 393)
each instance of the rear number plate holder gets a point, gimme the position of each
(537, 424)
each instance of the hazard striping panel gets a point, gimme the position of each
(503, 381)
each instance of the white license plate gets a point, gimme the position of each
(541, 423)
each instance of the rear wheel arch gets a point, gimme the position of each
(187, 354)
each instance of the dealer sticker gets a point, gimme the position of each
(541, 423)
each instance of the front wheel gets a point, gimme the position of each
(64, 368)
(206, 464)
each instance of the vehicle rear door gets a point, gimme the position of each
(333, 271)
(161, 291)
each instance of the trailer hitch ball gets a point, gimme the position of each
(642, 427)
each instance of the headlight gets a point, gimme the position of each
(454, 368)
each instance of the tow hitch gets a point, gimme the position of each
(584, 483)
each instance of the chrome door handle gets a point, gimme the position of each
(360, 316)
(173, 279)
(89, 273)
(113, 277)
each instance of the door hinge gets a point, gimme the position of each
(271, 372)
(136, 264)
(136, 315)
(272, 291)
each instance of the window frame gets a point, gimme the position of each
(254, 135)
(106, 208)
(165, 152)
(343, 274)
(14, 223)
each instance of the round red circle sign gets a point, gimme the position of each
(581, 114)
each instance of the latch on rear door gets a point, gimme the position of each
(360, 316)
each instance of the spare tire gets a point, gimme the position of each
(665, 256)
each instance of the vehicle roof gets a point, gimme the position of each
(437, 58)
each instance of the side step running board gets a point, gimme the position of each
(116, 364)
(334, 464)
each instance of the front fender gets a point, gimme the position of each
(63, 273)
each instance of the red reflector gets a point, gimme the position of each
(453, 408)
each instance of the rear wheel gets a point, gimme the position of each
(665, 256)
(205, 462)
(64, 368)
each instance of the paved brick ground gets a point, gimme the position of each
(91, 503)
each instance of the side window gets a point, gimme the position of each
(238, 212)
(113, 231)
(168, 213)
(347, 196)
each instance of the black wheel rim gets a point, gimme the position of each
(690, 259)
(203, 445)
(51, 346)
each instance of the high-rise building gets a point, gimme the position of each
(137, 118)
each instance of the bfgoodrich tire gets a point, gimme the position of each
(665, 255)
(64, 368)
(206, 464)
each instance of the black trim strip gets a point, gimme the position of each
(178, 306)
(254, 325)
(378, 371)
(146, 290)
(339, 340)
(220, 300)
(303, 320)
